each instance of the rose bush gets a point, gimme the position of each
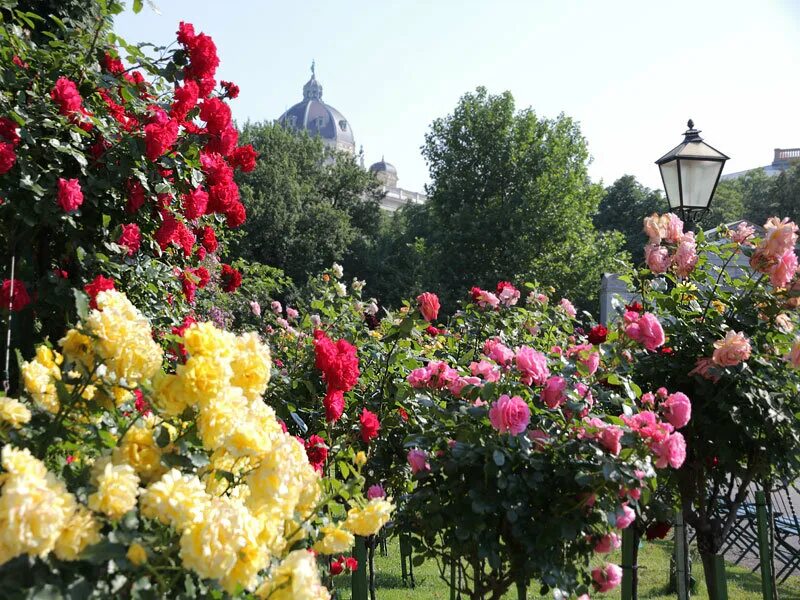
(115, 162)
(728, 308)
(123, 476)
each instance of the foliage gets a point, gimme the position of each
(228, 501)
(728, 320)
(510, 198)
(308, 206)
(111, 170)
(625, 204)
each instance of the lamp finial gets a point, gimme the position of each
(690, 124)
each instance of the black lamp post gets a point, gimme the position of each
(690, 173)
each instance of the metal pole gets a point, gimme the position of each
(6, 375)
(359, 581)
(681, 576)
(763, 546)
(628, 541)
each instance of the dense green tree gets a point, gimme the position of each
(624, 206)
(511, 199)
(766, 196)
(306, 206)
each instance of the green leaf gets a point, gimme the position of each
(162, 437)
(108, 440)
(137, 6)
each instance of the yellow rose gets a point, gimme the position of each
(360, 459)
(169, 395)
(203, 377)
(78, 348)
(335, 540)
(296, 578)
(38, 380)
(368, 520)
(251, 365)
(117, 488)
(136, 554)
(14, 412)
(82, 530)
(175, 499)
(204, 339)
(138, 448)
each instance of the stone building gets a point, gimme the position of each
(781, 161)
(324, 121)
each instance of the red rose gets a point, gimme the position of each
(244, 158)
(402, 412)
(131, 238)
(66, 95)
(428, 306)
(231, 89)
(337, 567)
(433, 331)
(188, 286)
(136, 197)
(208, 239)
(338, 362)
(231, 279)
(159, 138)
(215, 168)
(185, 33)
(99, 147)
(97, 285)
(19, 62)
(334, 405)
(369, 425)
(203, 60)
(8, 130)
(166, 231)
(203, 277)
(351, 564)
(597, 334)
(7, 157)
(658, 530)
(217, 115)
(113, 64)
(70, 196)
(194, 203)
(141, 405)
(185, 100)
(221, 196)
(15, 301)
(635, 307)
(317, 452)
(235, 215)
(224, 142)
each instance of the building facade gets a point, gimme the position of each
(322, 120)
(782, 160)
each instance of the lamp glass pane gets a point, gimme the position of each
(698, 178)
(669, 172)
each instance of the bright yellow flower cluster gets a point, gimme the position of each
(335, 540)
(117, 489)
(138, 449)
(368, 520)
(39, 377)
(13, 412)
(123, 339)
(296, 578)
(37, 513)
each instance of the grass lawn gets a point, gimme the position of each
(653, 570)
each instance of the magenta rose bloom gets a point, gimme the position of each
(70, 196)
(671, 451)
(510, 415)
(608, 543)
(625, 516)
(376, 491)
(647, 331)
(418, 460)
(657, 258)
(131, 238)
(553, 392)
(610, 439)
(677, 409)
(428, 306)
(606, 578)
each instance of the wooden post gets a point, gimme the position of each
(359, 585)
(681, 575)
(721, 581)
(763, 546)
(628, 542)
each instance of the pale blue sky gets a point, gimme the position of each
(631, 72)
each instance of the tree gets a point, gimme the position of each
(511, 199)
(766, 196)
(307, 206)
(625, 204)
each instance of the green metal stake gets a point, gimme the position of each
(681, 576)
(719, 577)
(522, 590)
(628, 541)
(359, 585)
(763, 546)
(453, 583)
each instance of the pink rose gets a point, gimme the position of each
(538, 437)
(780, 236)
(498, 352)
(510, 415)
(459, 384)
(376, 491)
(276, 307)
(742, 233)
(655, 228)
(670, 451)
(781, 273)
(610, 439)
(704, 367)
(255, 308)
(606, 578)
(507, 293)
(731, 350)
(486, 370)
(418, 460)
(794, 355)
(647, 331)
(428, 306)
(533, 366)
(657, 258)
(685, 258)
(648, 399)
(567, 307)
(677, 409)
(674, 228)
(292, 313)
(70, 196)
(608, 543)
(587, 356)
(418, 378)
(625, 516)
(553, 392)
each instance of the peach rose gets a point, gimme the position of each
(731, 350)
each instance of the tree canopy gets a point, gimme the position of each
(511, 199)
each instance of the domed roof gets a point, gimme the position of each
(383, 167)
(318, 118)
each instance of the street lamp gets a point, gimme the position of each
(690, 173)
